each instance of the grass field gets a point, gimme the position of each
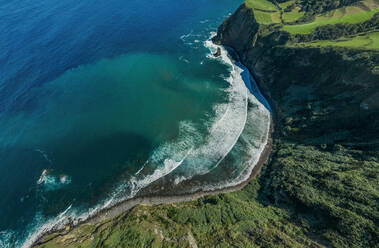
(368, 41)
(267, 13)
(264, 11)
(351, 14)
(292, 16)
(284, 5)
(267, 17)
(261, 5)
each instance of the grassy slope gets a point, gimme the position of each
(265, 11)
(368, 41)
(327, 19)
(355, 14)
(293, 15)
(261, 4)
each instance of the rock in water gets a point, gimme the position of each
(218, 53)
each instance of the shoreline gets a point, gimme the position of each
(129, 204)
(126, 205)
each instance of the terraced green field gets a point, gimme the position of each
(292, 16)
(284, 5)
(350, 15)
(261, 5)
(265, 12)
(368, 41)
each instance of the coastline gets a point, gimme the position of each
(128, 204)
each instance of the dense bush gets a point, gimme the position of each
(319, 6)
(334, 191)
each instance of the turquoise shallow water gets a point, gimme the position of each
(100, 99)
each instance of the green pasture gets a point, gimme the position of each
(368, 41)
(308, 28)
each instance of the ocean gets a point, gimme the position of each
(102, 101)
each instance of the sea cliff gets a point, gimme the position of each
(333, 88)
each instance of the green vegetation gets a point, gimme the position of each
(265, 12)
(237, 219)
(317, 6)
(335, 189)
(369, 41)
(308, 28)
(261, 5)
(315, 23)
(290, 11)
(286, 4)
(292, 15)
(267, 17)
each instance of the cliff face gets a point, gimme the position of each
(325, 95)
(325, 163)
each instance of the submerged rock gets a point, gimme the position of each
(218, 53)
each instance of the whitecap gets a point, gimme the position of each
(52, 182)
(179, 179)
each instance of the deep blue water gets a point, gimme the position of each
(100, 98)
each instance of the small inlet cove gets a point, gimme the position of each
(105, 101)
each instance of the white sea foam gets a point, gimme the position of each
(229, 124)
(42, 178)
(5, 238)
(224, 129)
(255, 138)
(184, 36)
(197, 155)
(51, 181)
(167, 157)
(39, 229)
(257, 119)
(143, 166)
(168, 166)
